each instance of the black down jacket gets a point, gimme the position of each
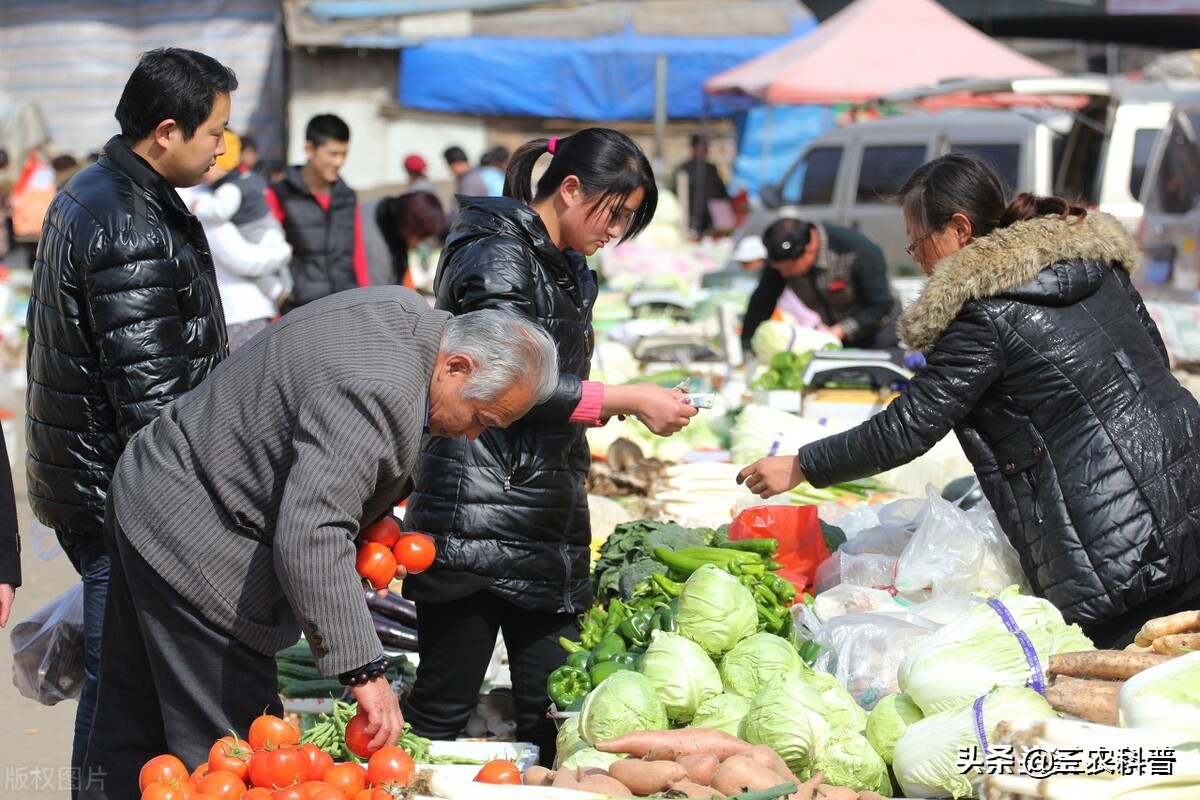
(509, 510)
(124, 317)
(1043, 360)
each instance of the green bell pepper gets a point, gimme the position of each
(628, 658)
(617, 613)
(566, 685)
(605, 669)
(609, 647)
(809, 652)
(580, 660)
(663, 620)
(636, 630)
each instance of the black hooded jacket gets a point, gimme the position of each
(509, 510)
(124, 316)
(1043, 360)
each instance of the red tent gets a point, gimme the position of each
(871, 48)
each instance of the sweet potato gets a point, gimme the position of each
(827, 792)
(691, 789)
(647, 777)
(804, 791)
(1174, 644)
(741, 773)
(1095, 701)
(1109, 665)
(700, 767)
(1183, 622)
(565, 779)
(770, 759)
(683, 742)
(537, 775)
(604, 784)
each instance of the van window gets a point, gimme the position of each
(812, 180)
(884, 169)
(1143, 143)
(1004, 158)
(1176, 187)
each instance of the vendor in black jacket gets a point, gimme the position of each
(837, 272)
(1043, 360)
(509, 510)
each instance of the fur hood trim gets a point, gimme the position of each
(1006, 259)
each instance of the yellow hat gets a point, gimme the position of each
(233, 152)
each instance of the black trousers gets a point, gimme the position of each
(170, 681)
(457, 639)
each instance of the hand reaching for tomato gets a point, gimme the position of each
(377, 700)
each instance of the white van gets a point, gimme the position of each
(847, 176)
(1171, 197)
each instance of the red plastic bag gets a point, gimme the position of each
(801, 543)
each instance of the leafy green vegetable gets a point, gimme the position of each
(631, 543)
(1166, 696)
(849, 760)
(843, 712)
(755, 660)
(588, 757)
(722, 712)
(715, 610)
(788, 715)
(888, 721)
(623, 703)
(682, 674)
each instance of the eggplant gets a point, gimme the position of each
(393, 634)
(394, 607)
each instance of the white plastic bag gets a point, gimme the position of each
(48, 650)
(864, 651)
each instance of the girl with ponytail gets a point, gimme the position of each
(509, 511)
(1043, 361)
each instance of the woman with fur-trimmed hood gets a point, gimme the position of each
(1043, 361)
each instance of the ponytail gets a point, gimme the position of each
(609, 165)
(1028, 205)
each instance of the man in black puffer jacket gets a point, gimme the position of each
(124, 314)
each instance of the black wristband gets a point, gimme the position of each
(357, 677)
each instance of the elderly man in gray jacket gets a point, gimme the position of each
(234, 513)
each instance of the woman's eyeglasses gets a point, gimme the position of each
(912, 246)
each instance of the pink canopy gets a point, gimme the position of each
(871, 48)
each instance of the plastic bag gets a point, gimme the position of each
(47, 650)
(798, 530)
(864, 651)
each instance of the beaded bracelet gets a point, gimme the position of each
(359, 676)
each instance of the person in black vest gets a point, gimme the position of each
(320, 216)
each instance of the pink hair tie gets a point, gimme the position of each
(550, 147)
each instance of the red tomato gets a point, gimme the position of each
(385, 532)
(326, 793)
(163, 791)
(499, 771)
(388, 765)
(269, 729)
(415, 552)
(161, 769)
(348, 778)
(374, 793)
(376, 563)
(289, 793)
(358, 741)
(277, 768)
(199, 772)
(222, 784)
(257, 793)
(318, 761)
(230, 754)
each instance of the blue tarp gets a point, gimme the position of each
(608, 77)
(784, 130)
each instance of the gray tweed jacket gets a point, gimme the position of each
(246, 494)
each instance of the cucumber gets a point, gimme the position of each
(322, 687)
(296, 671)
(297, 652)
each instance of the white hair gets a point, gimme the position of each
(507, 348)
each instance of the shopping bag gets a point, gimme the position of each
(798, 530)
(48, 650)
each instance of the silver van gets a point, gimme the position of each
(847, 176)
(1171, 197)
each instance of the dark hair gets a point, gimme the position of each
(326, 128)
(3, 158)
(963, 183)
(497, 155)
(419, 213)
(171, 83)
(609, 165)
(248, 143)
(786, 238)
(454, 155)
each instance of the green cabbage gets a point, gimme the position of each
(588, 757)
(773, 337)
(715, 610)
(849, 760)
(788, 715)
(567, 740)
(755, 660)
(1166, 696)
(888, 721)
(724, 712)
(682, 674)
(975, 652)
(623, 703)
(843, 711)
(927, 755)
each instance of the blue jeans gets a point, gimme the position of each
(90, 560)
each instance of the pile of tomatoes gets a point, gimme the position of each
(382, 547)
(272, 765)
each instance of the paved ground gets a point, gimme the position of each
(35, 747)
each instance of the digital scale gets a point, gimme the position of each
(854, 369)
